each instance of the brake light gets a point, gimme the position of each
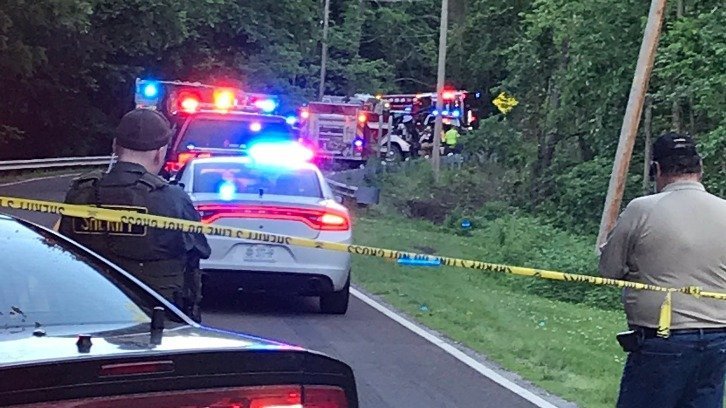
(362, 118)
(273, 396)
(125, 369)
(320, 220)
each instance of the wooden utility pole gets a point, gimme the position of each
(440, 79)
(648, 130)
(631, 120)
(324, 59)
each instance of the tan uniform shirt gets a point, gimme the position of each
(675, 238)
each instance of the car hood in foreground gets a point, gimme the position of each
(23, 347)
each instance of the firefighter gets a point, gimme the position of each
(450, 138)
(165, 260)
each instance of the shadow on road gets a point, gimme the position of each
(260, 304)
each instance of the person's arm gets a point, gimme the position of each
(192, 242)
(616, 250)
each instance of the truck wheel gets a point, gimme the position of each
(397, 155)
(336, 302)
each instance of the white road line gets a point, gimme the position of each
(30, 180)
(455, 352)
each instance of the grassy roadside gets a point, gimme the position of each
(566, 348)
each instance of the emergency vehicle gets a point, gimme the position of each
(457, 104)
(414, 117)
(211, 120)
(337, 128)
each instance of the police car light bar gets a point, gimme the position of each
(193, 97)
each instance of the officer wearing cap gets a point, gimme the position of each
(675, 238)
(167, 261)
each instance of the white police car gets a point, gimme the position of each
(271, 189)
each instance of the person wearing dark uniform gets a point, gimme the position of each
(165, 260)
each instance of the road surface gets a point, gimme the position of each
(394, 367)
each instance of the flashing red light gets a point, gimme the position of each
(448, 95)
(328, 220)
(304, 114)
(362, 118)
(188, 103)
(224, 99)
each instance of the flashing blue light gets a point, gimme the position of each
(435, 113)
(266, 105)
(456, 113)
(358, 143)
(279, 153)
(465, 224)
(255, 126)
(191, 147)
(151, 90)
(227, 191)
(445, 113)
(291, 120)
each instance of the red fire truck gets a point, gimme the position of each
(337, 128)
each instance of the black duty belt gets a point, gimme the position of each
(649, 332)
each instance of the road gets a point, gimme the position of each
(394, 367)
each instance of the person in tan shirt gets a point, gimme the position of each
(675, 238)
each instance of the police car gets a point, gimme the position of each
(271, 188)
(211, 119)
(78, 331)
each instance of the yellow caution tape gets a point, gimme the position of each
(155, 221)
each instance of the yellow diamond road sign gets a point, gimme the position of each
(505, 103)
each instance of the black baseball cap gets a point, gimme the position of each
(143, 130)
(672, 145)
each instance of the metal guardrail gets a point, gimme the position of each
(65, 162)
(54, 163)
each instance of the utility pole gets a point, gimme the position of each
(324, 60)
(440, 78)
(631, 120)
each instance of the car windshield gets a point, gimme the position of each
(245, 178)
(231, 134)
(48, 282)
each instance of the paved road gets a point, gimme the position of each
(394, 367)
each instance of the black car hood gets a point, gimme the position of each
(23, 347)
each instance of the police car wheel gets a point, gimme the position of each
(336, 302)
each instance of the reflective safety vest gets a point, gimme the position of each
(451, 137)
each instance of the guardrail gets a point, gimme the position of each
(54, 163)
(65, 162)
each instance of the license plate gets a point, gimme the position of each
(259, 253)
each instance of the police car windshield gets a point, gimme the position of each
(231, 133)
(248, 178)
(49, 282)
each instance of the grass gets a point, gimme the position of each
(566, 348)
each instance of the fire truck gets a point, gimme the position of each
(337, 128)
(211, 120)
(415, 115)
